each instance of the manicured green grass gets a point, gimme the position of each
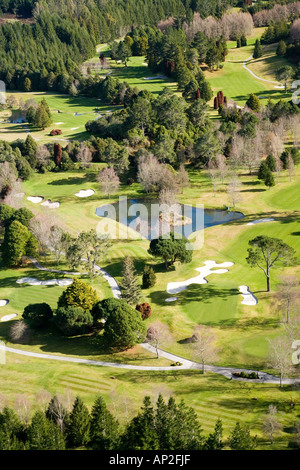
(211, 396)
(72, 126)
(237, 83)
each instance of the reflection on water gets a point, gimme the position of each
(152, 220)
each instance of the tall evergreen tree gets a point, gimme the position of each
(130, 285)
(104, 429)
(78, 424)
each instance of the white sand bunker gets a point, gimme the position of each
(158, 77)
(31, 281)
(260, 221)
(171, 299)
(9, 317)
(176, 287)
(59, 123)
(50, 204)
(249, 297)
(85, 193)
(75, 128)
(3, 303)
(35, 199)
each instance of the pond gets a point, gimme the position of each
(151, 220)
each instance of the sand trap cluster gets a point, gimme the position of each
(85, 193)
(9, 317)
(176, 287)
(3, 303)
(260, 221)
(249, 297)
(31, 281)
(35, 199)
(50, 204)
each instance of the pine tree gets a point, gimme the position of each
(281, 49)
(263, 170)
(131, 291)
(269, 179)
(253, 102)
(149, 277)
(140, 434)
(257, 50)
(241, 439)
(44, 434)
(78, 424)
(214, 440)
(104, 429)
(14, 245)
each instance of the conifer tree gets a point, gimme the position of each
(78, 424)
(104, 429)
(131, 291)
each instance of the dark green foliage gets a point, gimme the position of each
(253, 103)
(214, 440)
(73, 321)
(12, 431)
(269, 179)
(241, 439)
(271, 162)
(266, 252)
(257, 50)
(149, 277)
(130, 285)
(38, 315)
(124, 327)
(78, 425)
(171, 249)
(6, 213)
(263, 171)
(167, 427)
(104, 429)
(44, 434)
(14, 246)
(281, 49)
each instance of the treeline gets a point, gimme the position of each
(165, 425)
(65, 34)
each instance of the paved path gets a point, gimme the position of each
(111, 280)
(186, 363)
(259, 78)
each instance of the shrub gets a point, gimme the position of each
(72, 321)
(79, 294)
(145, 310)
(56, 132)
(124, 327)
(149, 277)
(38, 315)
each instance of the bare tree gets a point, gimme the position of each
(291, 167)
(222, 166)
(288, 295)
(271, 425)
(43, 398)
(233, 190)
(182, 179)
(158, 334)
(20, 332)
(213, 173)
(280, 356)
(23, 408)
(204, 347)
(109, 181)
